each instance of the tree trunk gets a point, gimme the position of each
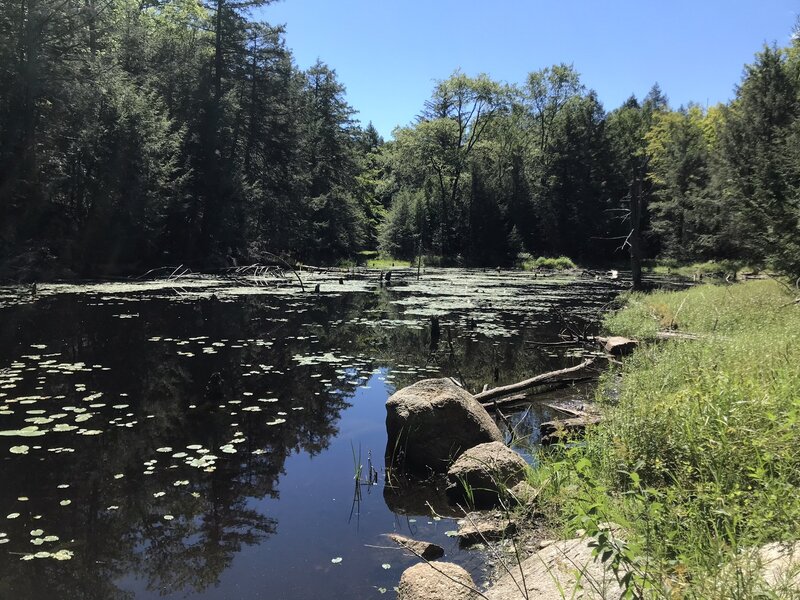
(218, 59)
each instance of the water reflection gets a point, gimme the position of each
(164, 445)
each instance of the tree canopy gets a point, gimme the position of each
(137, 134)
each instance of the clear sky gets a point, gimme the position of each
(388, 53)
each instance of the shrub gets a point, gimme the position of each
(560, 263)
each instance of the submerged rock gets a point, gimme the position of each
(411, 496)
(430, 423)
(426, 550)
(483, 473)
(436, 581)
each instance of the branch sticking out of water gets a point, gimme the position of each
(284, 262)
(529, 383)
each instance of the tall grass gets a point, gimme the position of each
(698, 456)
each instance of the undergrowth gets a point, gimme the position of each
(698, 454)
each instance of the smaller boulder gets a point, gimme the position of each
(523, 494)
(553, 432)
(485, 473)
(481, 528)
(426, 550)
(436, 581)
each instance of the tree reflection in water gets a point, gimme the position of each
(114, 380)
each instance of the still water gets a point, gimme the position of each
(199, 437)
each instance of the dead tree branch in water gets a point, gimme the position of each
(573, 327)
(529, 383)
(277, 258)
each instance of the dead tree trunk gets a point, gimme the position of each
(636, 205)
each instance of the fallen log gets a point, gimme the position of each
(566, 411)
(529, 383)
(495, 403)
(544, 388)
(675, 335)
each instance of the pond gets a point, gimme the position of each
(198, 437)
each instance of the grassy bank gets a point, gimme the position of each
(698, 270)
(698, 456)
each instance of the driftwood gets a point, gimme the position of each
(506, 390)
(561, 343)
(567, 411)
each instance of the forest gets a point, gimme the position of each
(141, 134)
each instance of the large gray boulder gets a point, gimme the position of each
(436, 581)
(430, 423)
(483, 474)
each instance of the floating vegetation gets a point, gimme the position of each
(59, 555)
(328, 357)
(30, 431)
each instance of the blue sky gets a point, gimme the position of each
(388, 53)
